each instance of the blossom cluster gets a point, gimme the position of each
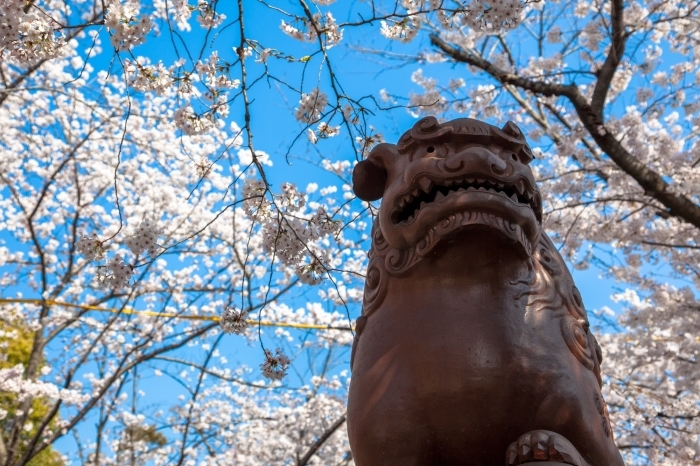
(234, 321)
(27, 36)
(492, 17)
(91, 247)
(275, 365)
(288, 232)
(322, 25)
(311, 106)
(484, 16)
(153, 78)
(322, 131)
(143, 239)
(208, 17)
(12, 381)
(367, 142)
(431, 101)
(181, 12)
(257, 425)
(127, 29)
(210, 72)
(116, 273)
(404, 30)
(212, 104)
(192, 123)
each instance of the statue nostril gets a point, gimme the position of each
(498, 169)
(431, 149)
(513, 156)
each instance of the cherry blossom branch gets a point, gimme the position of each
(674, 246)
(322, 47)
(211, 372)
(652, 183)
(244, 92)
(35, 447)
(615, 54)
(198, 388)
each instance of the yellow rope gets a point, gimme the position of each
(129, 311)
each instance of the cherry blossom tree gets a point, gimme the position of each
(150, 226)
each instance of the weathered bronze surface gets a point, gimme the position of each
(473, 345)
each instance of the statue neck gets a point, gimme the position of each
(480, 260)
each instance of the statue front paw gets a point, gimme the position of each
(543, 445)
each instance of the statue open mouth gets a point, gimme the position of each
(427, 191)
(438, 206)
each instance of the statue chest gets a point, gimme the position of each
(437, 340)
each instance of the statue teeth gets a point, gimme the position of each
(439, 197)
(514, 197)
(470, 180)
(520, 187)
(425, 184)
(481, 188)
(415, 192)
(422, 204)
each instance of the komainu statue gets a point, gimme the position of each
(473, 348)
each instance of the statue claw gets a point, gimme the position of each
(537, 446)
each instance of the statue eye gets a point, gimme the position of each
(438, 150)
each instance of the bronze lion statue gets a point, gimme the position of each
(474, 347)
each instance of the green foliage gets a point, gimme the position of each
(46, 457)
(148, 435)
(16, 342)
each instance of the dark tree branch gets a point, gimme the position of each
(617, 50)
(652, 183)
(504, 77)
(321, 440)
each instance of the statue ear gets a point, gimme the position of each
(526, 155)
(369, 176)
(515, 134)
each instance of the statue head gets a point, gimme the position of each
(443, 178)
